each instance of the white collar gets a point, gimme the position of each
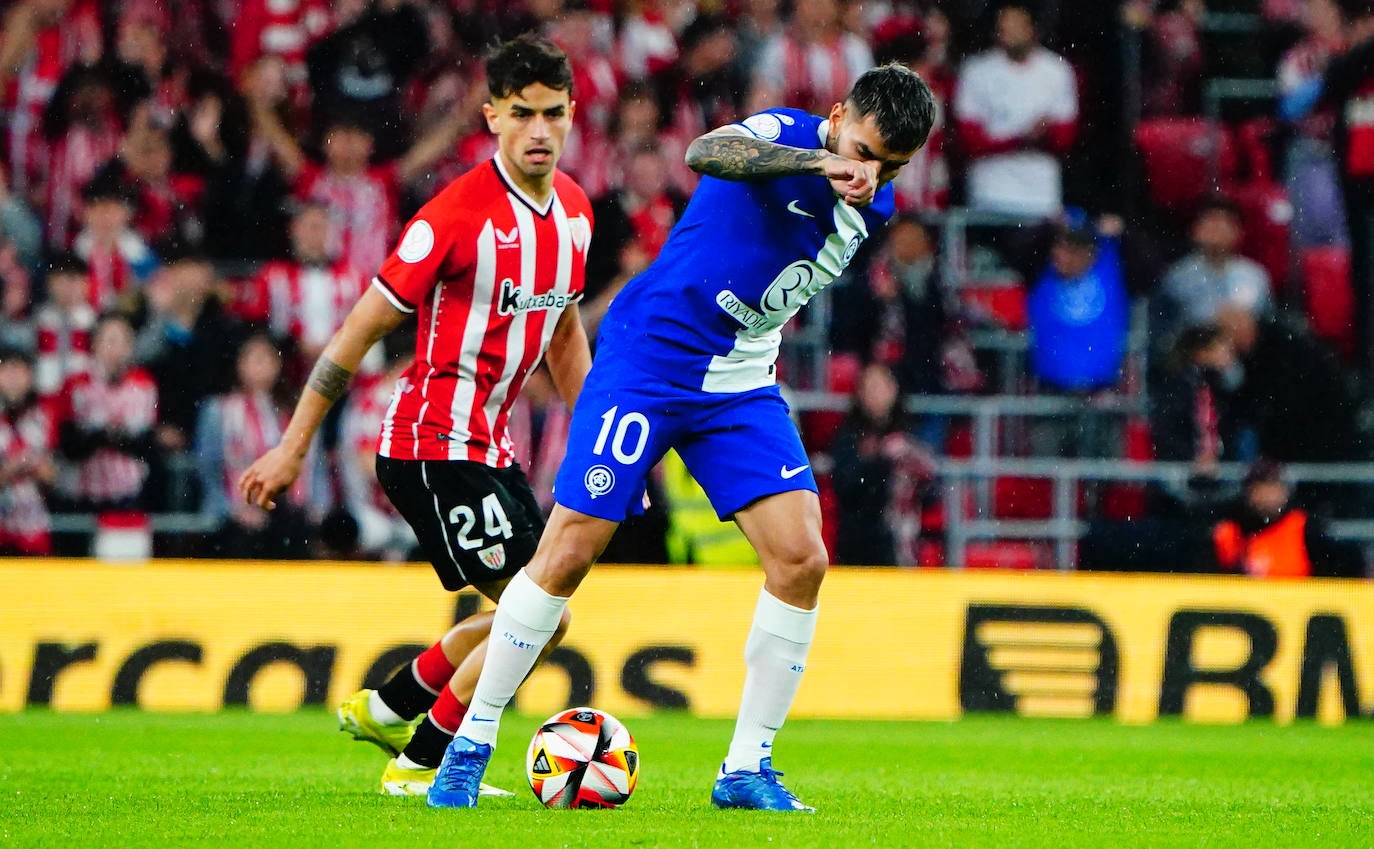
(823, 130)
(542, 209)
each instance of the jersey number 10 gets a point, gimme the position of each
(622, 435)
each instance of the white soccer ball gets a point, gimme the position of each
(582, 758)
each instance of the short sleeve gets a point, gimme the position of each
(791, 127)
(431, 249)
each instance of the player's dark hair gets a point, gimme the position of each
(525, 60)
(899, 100)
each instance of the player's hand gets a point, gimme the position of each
(269, 475)
(851, 179)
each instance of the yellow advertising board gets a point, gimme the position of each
(200, 635)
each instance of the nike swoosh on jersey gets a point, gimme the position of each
(788, 474)
(792, 207)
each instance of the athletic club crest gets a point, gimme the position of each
(494, 556)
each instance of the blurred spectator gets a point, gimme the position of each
(759, 22)
(41, 39)
(701, 90)
(923, 185)
(1078, 310)
(245, 190)
(638, 123)
(232, 430)
(632, 223)
(595, 78)
(881, 475)
(1190, 415)
(187, 342)
(106, 419)
(1196, 286)
(381, 531)
(20, 229)
(896, 313)
(1265, 535)
(364, 65)
(1294, 394)
(648, 35)
(1172, 59)
(62, 325)
(1349, 88)
(28, 436)
(168, 201)
(306, 297)
(363, 198)
(812, 63)
(283, 29)
(81, 132)
(116, 255)
(15, 297)
(1310, 170)
(1016, 110)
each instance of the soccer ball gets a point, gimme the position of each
(582, 758)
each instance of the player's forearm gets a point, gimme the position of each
(569, 363)
(740, 157)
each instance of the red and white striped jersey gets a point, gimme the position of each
(363, 210)
(305, 302)
(63, 345)
(127, 405)
(490, 273)
(28, 432)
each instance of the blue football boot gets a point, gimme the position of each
(458, 782)
(757, 791)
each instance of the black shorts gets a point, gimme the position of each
(475, 524)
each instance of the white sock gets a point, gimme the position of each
(381, 711)
(525, 620)
(406, 763)
(774, 659)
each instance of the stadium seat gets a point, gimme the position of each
(1002, 554)
(1267, 218)
(1184, 160)
(1000, 302)
(1023, 498)
(1121, 500)
(1327, 296)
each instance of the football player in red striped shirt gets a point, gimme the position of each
(493, 268)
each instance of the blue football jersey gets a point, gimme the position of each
(745, 257)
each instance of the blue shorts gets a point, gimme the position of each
(739, 446)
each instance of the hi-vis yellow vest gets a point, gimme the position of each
(695, 535)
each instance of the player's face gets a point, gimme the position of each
(858, 138)
(531, 126)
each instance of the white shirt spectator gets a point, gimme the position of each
(1198, 289)
(1004, 102)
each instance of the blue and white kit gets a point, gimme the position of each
(686, 353)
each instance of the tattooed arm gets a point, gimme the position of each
(370, 319)
(732, 154)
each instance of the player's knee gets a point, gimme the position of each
(800, 572)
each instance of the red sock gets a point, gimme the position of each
(448, 712)
(433, 669)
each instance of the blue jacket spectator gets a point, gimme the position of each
(1079, 313)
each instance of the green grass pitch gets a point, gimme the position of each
(131, 779)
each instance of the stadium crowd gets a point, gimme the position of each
(194, 192)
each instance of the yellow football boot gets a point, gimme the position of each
(356, 719)
(399, 781)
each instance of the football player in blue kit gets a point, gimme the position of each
(685, 360)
